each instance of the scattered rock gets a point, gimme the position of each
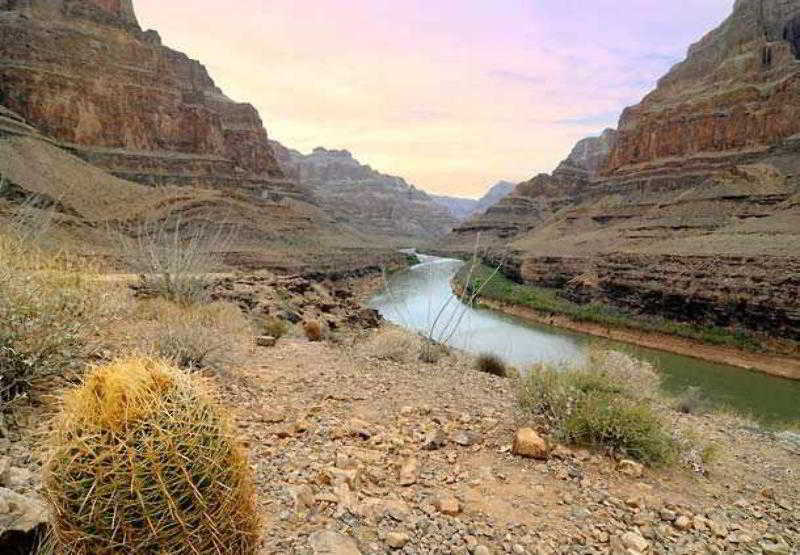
(397, 540)
(682, 522)
(634, 541)
(435, 440)
(266, 341)
(481, 550)
(359, 428)
(447, 504)
(630, 468)
(22, 523)
(327, 542)
(719, 528)
(466, 439)
(527, 443)
(303, 498)
(409, 472)
(775, 547)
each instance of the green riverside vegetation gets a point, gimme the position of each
(547, 301)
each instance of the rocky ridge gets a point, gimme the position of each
(699, 181)
(364, 199)
(533, 201)
(462, 208)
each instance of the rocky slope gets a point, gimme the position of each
(365, 199)
(464, 208)
(691, 209)
(531, 202)
(459, 208)
(85, 74)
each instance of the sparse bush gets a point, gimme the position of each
(48, 310)
(393, 344)
(431, 352)
(313, 330)
(491, 364)
(142, 461)
(174, 259)
(622, 424)
(274, 327)
(605, 405)
(193, 337)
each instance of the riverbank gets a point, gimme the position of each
(533, 305)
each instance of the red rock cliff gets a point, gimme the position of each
(84, 73)
(736, 92)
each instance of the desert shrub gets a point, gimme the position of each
(625, 425)
(192, 337)
(142, 461)
(173, 258)
(274, 327)
(491, 364)
(49, 309)
(393, 344)
(313, 330)
(605, 405)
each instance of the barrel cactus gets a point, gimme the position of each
(142, 461)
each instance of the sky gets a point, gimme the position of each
(453, 95)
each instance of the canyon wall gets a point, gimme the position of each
(364, 199)
(86, 75)
(691, 209)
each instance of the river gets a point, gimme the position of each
(420, 299)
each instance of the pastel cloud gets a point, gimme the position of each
(454, 95)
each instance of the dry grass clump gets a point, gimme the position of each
(193, 337)
(142, 461)
(393, 344)
(313, 330)
(49, 309)
(431, 352)
(605, 406)
(491, 364)
(274, 327)
(173, 258)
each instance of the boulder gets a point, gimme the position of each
(327, 542)
(23, 521)
(266, 341)
(630, 468)
(409, 472)
(527, 443)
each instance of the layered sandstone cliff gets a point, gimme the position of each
(86, 75)
(364, 199)
(534, 201)
(692, 211)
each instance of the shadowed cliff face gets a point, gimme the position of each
(84, 73)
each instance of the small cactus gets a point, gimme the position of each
(142, 461)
